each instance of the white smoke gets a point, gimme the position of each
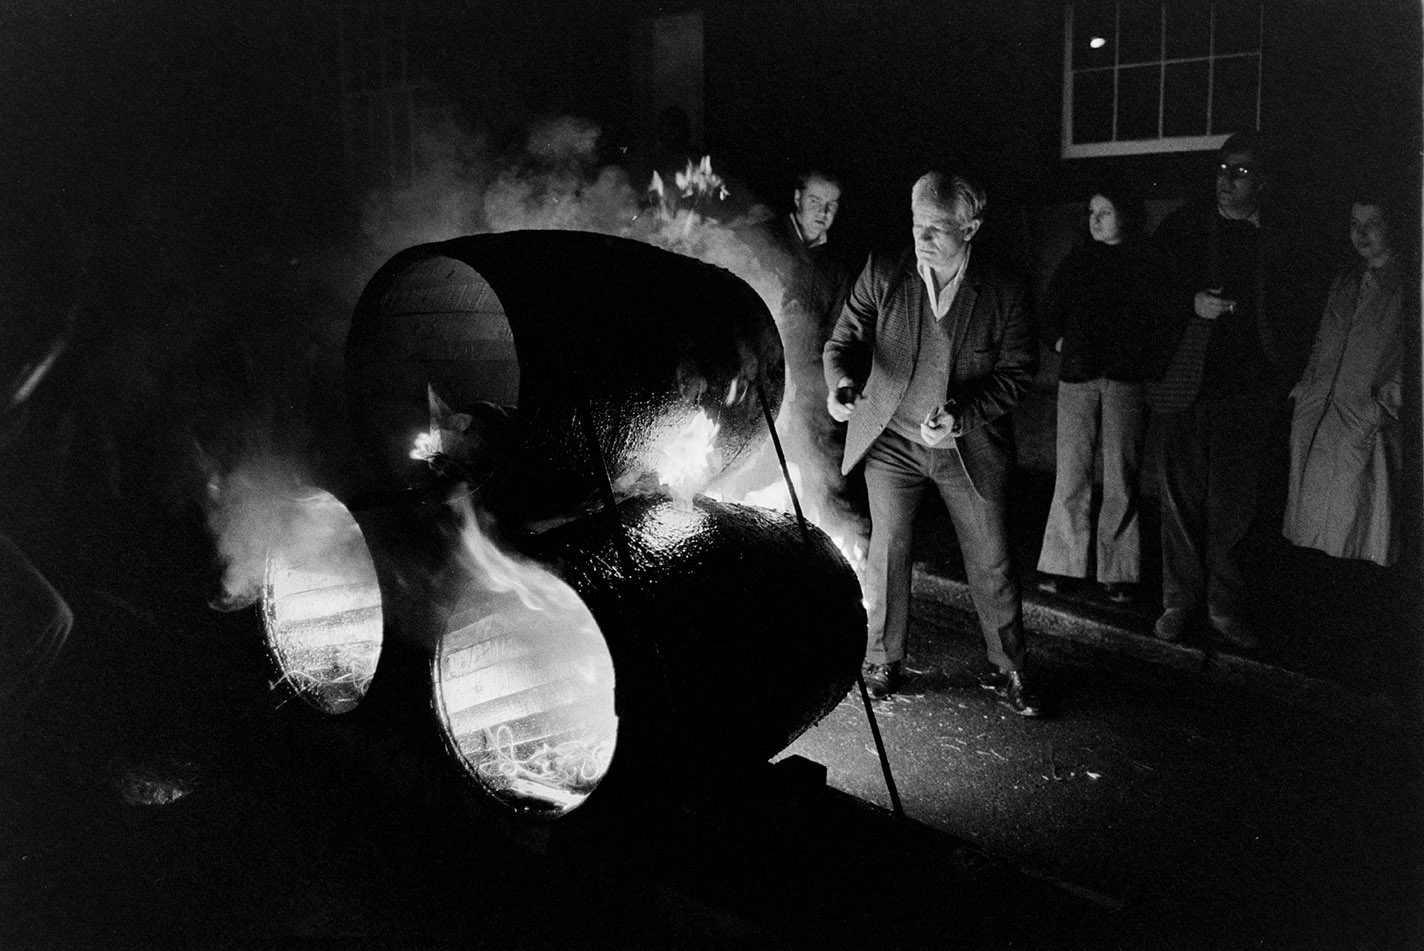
(442, 200)
(558, 185)
(555, 181)
(267, 505)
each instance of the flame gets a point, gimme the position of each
(525, 681)
(499, 573)
(854, 553)
(427, 446)
(737, 390)
(321, 605)
(679, 219)
(694, 181)
(700, 180)
(777, 497)
(685, 459)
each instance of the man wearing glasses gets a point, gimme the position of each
(1215, 398)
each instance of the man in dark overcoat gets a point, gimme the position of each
(1216, 398)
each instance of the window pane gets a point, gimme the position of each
(1233, 94)
(1137, 102)
(1188, 28)
(1238, 26)
(1093, 19)
(1092, 106)
(1184, 99)
(1139, 31)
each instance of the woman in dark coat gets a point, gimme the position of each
(1099, 318)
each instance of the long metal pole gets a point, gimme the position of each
(895, 805)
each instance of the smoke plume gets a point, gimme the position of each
(554, 180)
(267, 505)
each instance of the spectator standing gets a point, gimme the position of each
(817, 280)
(932, 351)
(1346, 442)
(1216, 398)
(1098, 317)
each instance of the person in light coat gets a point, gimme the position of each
(1346, 440)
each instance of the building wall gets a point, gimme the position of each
(878, 90)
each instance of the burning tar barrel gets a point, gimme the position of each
(613, 650)
(555, 628)
(558, 354)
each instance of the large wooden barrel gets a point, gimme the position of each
(548, 339)
(606, 654)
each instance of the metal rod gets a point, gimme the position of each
(895, 805)
(605, 483)
(620, 541)
(880, 748)
(781, 457)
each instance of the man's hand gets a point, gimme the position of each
(840, 402)
(938, 424)
(1209, 304)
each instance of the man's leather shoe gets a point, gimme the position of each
(1011, 688)
(1022, 698)
(1235, 632)
(1172, 624)
(880, 679)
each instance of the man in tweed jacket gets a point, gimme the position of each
(931, 352)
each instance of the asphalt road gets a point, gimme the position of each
(1196, 816)
(1152, 811)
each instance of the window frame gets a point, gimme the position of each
(1162, 144)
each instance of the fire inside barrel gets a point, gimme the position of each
(321, 608)
(524, 682)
